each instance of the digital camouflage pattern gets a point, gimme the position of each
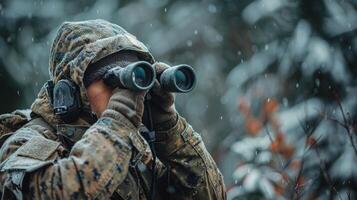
(12, 121)
(110, 159)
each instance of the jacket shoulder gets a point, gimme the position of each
(35, 143)
(10, 122)
(34, 154)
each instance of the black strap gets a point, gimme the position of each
(150, 138)
(49, 88)
(149, 134)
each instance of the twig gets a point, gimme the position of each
(277, 155)
(309, 132)
(346, 124)
(326, 175)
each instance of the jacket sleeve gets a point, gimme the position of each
(94, 168)
(191, 171)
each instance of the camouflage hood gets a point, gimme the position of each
(76, 45)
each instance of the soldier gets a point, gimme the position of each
(52, 157)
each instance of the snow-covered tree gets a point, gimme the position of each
(295, 131)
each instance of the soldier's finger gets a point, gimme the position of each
(160, 67)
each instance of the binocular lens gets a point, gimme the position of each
(138, 76)
(141, 77)
(182, 79)
(179, 78)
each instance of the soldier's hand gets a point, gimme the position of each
(127, 103)
(162, 103)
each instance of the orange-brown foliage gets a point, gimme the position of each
(253, 125)
(311, 141)
(295, 164)
(300, 181)
(280, 138)
(287, 151)
(279, 189)
(270, 106)
(274, 146)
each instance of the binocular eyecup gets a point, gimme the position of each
(138, 76)
(180, 78)
(141, 76)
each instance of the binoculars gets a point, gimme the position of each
(141, 76)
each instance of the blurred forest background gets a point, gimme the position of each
(276, 95)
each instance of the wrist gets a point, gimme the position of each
(170, 140)
(168, 124)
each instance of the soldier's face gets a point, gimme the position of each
(99, 94)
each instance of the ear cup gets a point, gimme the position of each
(66, 100)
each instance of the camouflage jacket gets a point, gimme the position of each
(46, 159)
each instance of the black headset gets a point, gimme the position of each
(65, 99)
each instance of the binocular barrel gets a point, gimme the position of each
(180, 78)
(140, 76)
